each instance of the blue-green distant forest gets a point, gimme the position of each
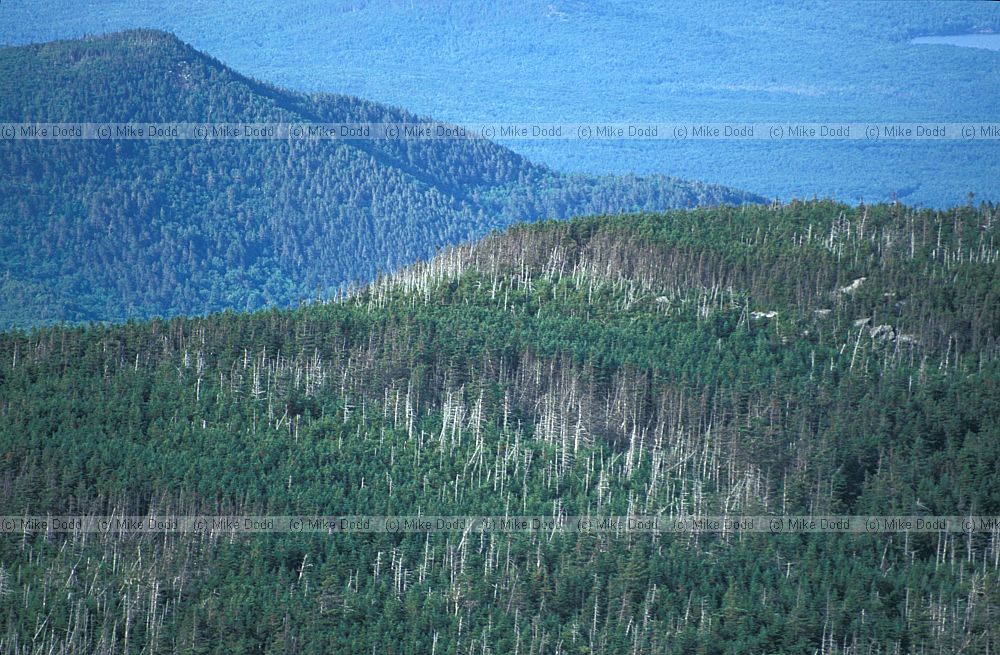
(105, 231)
(572, 60)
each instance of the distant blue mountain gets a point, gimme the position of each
(107, 230)
(565, 61)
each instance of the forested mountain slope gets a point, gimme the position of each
(93, 230)
(803, 359)
(771, 61)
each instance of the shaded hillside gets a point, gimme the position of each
(805, 359)
(579, 60)
(95, 230)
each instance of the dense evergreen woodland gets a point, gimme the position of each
(96, 230)
(806, 358)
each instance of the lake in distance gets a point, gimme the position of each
(985, 41)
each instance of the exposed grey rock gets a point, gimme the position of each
(883, 332)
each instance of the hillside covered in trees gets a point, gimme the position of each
(584, 60)
(108, 230)
(811, 358)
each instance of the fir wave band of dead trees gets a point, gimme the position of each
(723, 361)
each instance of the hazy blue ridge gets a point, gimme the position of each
(107, 230)
(597, 61)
